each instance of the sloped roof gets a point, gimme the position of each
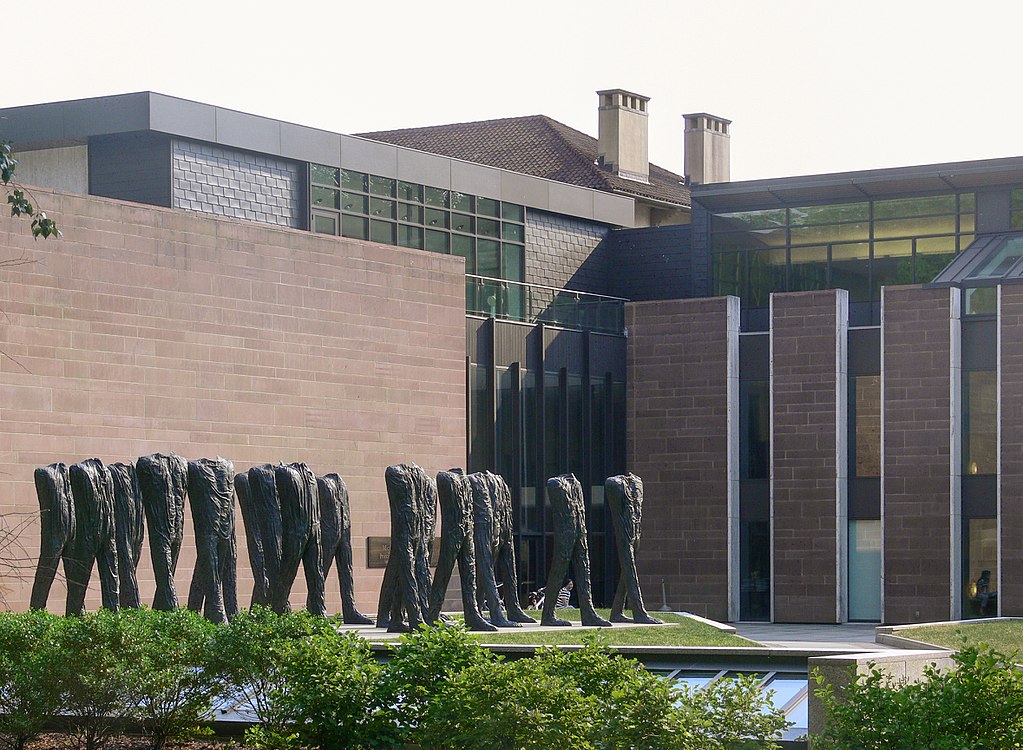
(534, 145)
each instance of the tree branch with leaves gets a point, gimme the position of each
(42, 225)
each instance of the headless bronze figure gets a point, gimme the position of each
(624, 494)
(129, 523)
(57, 528)
(214, 587)
(164, 482)
(93, 540)
(336, 540)
(565, 495)
(300, 538)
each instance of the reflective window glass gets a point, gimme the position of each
(749, 240)
(980, 422)
(829, 214)
(899, 207)
(411, 213)
(409, 236)
(511, 212)
(436, 241)
(381, 231)
(357, 204)
(865, 424)
(322, 175)
(382, 208)
(754, 429)
(324, 224)
(967, 202)
(809, 268)
(463, 202)
(382, 186)
(488, 207)
(850, 270)
(463, 223)
(728, 272)
(322, 197)
(410, 191)
(353, 180)
(436, 218)
(488, 227)
(511, 262)
(892, 264)
(436, 197)
(745, 220)
(981, 300)
(831, 233)
(355, 227)
(1000, 260)
(488, 258)
(465, 247)
(980, 567)
(766, 275)
(513, 232)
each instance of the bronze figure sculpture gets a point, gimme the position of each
(163, 481)
(456, 544)
(93, 540)
(263, 524)
(129, 526)
(336, 540)
(57, 527)
(300, 538)
(624, 494)
(214, 587)
(565, 495)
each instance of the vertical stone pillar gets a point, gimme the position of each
(920, 467)
(809, 380)
(1010, 480)
(683, 441)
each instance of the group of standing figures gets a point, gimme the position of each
(95, 515)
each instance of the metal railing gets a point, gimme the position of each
(534, 303)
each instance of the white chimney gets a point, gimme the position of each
(707, 147)
(622, 134)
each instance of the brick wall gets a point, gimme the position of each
(1010, 588)
(917, 350)
(808, 376)
(237, 184)
(651, 263)
(682, 356)
(148, 329)
(566, 252)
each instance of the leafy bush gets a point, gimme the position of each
(29, 687)
(978, 704)
(175, 682)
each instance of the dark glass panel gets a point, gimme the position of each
(436, 242)
(551, 427)
(465, 247)
(511, 212)
(915, 227)
(865, 426)
(382, 186)
(728, 273)
(830, 233)
(488, 228)
(751, 240)
(754, 569)
(463, 202)
(324, 224)
(353, 180)
(809, 268)
(530, 515)
(512, 262)
(322, 197)
(865, 570)
(967, 202)
(356, 227)
(382, 208)
(830, 214)
(981, 300)
(410, 191)
(409, 236)
(766, 275)
(410, 213)
(513, 232)
(932, 255)
(463, 223)
(744, 220)
(323, 175)
(506, 425)
(576, 440)
(488, 207)
(900, 207)
(488, 258)
(850, 270)
(436, 197)
(892, 265)
(754, 429)
(980, 422)
(980, 567)
(617, 428)
(381, 231)
(356, 204)
(436, 218)
(481, 445)
(598, 460)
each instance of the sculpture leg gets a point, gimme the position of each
(559, 568)
(467, 572)
(487, 581)
(387, 592)
(292, 549)
(164, 563)
(204, 556)
(631, 579)
(210, 594)
(408, 585)
(311, 564)
(78, 573)
(129, 587)
(229, 576)
(581, 566)
(349, 612)
(618, 604)
(50, 551)
(449, 548)
(506, 563)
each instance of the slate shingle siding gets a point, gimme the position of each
(651, 263)
(568, 253)
(237, 184)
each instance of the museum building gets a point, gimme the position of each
(820, 378)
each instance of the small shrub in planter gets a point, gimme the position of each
(29, 685)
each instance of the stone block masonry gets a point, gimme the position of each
(1010, 322)
(149, 329)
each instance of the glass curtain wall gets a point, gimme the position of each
(754, 479)
(864, 471)
(859, 246)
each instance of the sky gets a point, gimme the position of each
(810, 87)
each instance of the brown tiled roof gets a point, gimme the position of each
(534, 145)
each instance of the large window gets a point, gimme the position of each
(858, 246)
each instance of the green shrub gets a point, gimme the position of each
(420, 665)
(175, 683)
(29, 686)
(978, 704)
(98, 669)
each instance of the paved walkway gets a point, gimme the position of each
(856, 636)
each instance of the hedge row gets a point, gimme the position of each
(312, 686)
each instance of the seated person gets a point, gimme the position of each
(564, 594)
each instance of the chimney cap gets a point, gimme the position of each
(692, 115)
(623, 91)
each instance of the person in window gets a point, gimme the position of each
(985, 596)
(565, 594)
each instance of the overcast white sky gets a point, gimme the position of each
(810, 86)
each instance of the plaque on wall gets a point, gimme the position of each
(378, 549)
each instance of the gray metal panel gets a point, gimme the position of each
(476, 179)
(38, 123)
(994, 211)
(428, 169)
(571, 200)
(369, 156)
(607, 354)
(182, 117)
(563, 349)
(510, 343)
(520, 188)
(310, 144)
(248, 131)
(106, 114)
(614, 209)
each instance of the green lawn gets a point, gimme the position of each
(1004, 635)
(677, 631)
